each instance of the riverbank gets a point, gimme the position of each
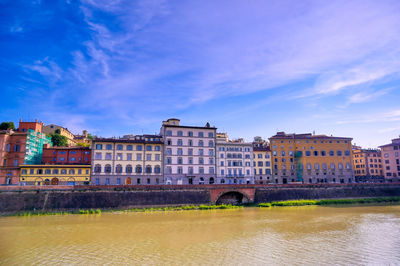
(325, 202)
(330, 202)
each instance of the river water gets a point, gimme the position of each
(251, 236)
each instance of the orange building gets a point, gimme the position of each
(391, 160)
(367, 164)
(307, 158)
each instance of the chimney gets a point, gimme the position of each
(36, 120)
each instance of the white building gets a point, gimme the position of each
(189, 153)
(234, 161)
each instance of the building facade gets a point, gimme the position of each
(66, 155)
(234, 161)
(189, 153)
(41, 175)
(129, 161)
(262, 162)
(367, 165)
(307, 158)
(391, 160)
(23, 146)
(52, 129)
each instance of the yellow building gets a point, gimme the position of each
(55, 175)
(262, 162)
(307, 158)
(132, 160)
(51, 129)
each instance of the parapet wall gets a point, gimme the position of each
(329, 192)
(19, 199)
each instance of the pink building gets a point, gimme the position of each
(391, 160)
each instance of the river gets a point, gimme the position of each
(250, 236)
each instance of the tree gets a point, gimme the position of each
(7, 125)
(81, 144)
(57, 131)
(59, 140)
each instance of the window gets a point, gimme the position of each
(308, 166)
(97, 181)
(169, 133)
(108, 156)
(201, 144)
(201, 135)
(129, 147)
(79, 171)
(24, 172)
(55, 171)
(139, 147)
(61, 158)
(211, 143)
(180, 161)
(339, 153)
(138, 157)
(118, 169)
(211, 170)
(348, 166)
(180, 152)
(331, 153)
(119, 157)
(120, 147)
(71, 171)
(157, 148)
(149, 148)
(324, 166)
(148, 169)
(39, 171)
(282, 153)
(97, 168)
(315, 153)
(190, 133)
(201, 170)
(118, 181)
(109, 147)
(201, 160)
(63, 171)
(107, 169)
(340, 166)
(180, 134)
(15, 162)
(47, 172)
(210, 135)
(148, 157)
(323, 153)
(138, 169)
(107, 181)
(180, 170)
(169, 160)
(158, 157)
(129, 156)
(73, 152)
(157, 169)
(180, 143)
(98, 156)
(316, 166)
(211, 161)
(308, 153)
(347, 153)
(169, 151)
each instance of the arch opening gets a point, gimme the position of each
(233, 198)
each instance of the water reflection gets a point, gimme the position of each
(284, 235)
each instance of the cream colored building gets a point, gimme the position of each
(136, 160)
(234, 161)
(262, 162)
(51, 129)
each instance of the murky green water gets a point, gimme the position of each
(250, 236)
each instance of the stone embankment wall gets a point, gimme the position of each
(45, 200)
(19, 199)
(328, 192)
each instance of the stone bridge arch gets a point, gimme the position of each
(232, 196)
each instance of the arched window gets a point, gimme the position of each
(148, 169)
(97, 168)
(71, 171)
(308, 166)
(128, 169)
(222, 181)
(324, 166)
(118, 169)
(157, 169)
(211, 143)
(316, 166)
(138, 169)
(340, 166)
(211, 180)
(120, 147)
(348, 166)
(331, 153)
(107, 169)
(339, 153)
(333, 166)
(201, 144)
(201, 180)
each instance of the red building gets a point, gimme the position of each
(66, 155)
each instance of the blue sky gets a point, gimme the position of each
(250, 68)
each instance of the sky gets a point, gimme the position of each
(250, 68)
